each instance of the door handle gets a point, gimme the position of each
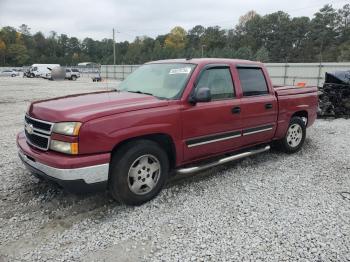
(236, 110)
(268, 106)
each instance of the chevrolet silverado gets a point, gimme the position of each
(167, 117)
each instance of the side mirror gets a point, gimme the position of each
(202, 94)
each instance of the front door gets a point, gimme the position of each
(212, 127)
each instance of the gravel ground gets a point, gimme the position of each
(270, 207)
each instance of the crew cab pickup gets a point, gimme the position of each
(167, 117)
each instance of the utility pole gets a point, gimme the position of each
(113, 47)
(203, 50)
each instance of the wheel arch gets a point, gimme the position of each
(303, 114)
(162, 139)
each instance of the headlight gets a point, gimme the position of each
(67, 128)
(64, 147)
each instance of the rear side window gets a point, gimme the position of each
(75, 70)
(219, 81)
(253, 81)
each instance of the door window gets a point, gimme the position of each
(219, 81)
(252, 81)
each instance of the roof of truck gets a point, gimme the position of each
(201, 61)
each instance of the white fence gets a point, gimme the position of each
(119, 72)
(310, 73)
(280, 73)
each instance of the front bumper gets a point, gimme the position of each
(77, 179)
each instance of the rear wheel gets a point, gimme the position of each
(138, 172)
(74, 78)
(295, 136)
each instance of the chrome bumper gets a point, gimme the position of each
(90, 174)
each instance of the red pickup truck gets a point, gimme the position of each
(169, 116)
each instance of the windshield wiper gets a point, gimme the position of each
(140, 92)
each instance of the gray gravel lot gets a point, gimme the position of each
(270, 207)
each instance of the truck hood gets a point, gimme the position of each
(84, 107)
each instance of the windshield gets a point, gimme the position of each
(160, 80)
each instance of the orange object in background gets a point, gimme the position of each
(301, 84)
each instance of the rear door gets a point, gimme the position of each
(212, 127)
(258, 106)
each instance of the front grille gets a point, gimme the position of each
(38, 141)
(39, 124)
(37, 132)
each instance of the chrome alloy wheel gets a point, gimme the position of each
(295, 135)
(144, 174)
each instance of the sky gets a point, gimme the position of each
(131, 18)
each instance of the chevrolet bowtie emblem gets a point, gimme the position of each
(29, 128)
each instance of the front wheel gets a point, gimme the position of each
(138, 172)
(295, 136)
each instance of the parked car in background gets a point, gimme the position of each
(72, 74)
(9, 72)
(41, 70)
(97, 78)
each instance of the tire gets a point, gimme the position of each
(295, 136)
(131, 180)
(73, 78)
(13, 75)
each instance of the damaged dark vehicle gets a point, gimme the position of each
(334, 95)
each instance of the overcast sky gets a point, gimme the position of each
(131, 18)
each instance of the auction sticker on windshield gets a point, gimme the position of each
(184, 70)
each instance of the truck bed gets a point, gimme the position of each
(294, 90)
(295, 99)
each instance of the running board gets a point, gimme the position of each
(221, 161)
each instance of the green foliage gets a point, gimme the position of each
(176, 39)
(262, 55)
(275, 37)
(344, 52)
(17, 54)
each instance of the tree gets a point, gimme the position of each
(246, 18)
(275, 37)
(343, 23)
(176, 39)
(323, 34)
(18, 54)
(194, 37)
(213, 37)
(2, 51)
(248, 33)
(24, 29)
(276, 34)
(262, 55)
(244, 53)
(344, 52)
(300, 40)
